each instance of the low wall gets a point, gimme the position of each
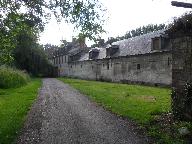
(154, 68)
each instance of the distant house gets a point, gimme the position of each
(142, 59)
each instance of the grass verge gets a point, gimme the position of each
(143, 104)
(14, 105)
(11, 78)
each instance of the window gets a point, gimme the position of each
(81, 66)
(65, 59)
(108, 66)
(156, 44)
(168, 61)
(138, 67)
(103, 65)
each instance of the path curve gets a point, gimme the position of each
(61, 115)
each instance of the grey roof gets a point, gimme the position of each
(137, 45)
(132, 46)
(74, 51)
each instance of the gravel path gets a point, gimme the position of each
(61, 115)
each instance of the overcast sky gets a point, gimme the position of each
(124, 15)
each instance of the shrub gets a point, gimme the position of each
(11, 78)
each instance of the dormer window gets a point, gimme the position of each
(93, 54)
(112, 50)
(159, 43)
(156, 45)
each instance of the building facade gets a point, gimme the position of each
(145, 59)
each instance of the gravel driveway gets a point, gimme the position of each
(61, 115)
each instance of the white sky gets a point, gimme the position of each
(124, 15)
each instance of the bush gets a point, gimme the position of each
(11, 78)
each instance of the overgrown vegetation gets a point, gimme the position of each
(10, 78)
(149, 106)
(181, 26)
(14, 105)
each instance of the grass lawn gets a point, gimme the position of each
(14, 105)
(140, 103)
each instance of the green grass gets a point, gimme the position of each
(11, 78)
(140, 103)
(14, 105)
(146, 105)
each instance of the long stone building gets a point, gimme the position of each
(145, 59)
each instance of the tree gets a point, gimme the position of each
(33, 14)
(137, 32)
(30, 56)
(11, 26)
(85, 14)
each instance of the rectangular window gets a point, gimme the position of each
(138, 67)
(156, 44)
(168, 61)
(108, 66)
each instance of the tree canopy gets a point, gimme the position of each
(21, 21)
(87, 15)
(181, 26)
(132, 33)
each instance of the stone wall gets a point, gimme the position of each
(182, 77)
(154, 68)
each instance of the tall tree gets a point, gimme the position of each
(87, 15)
(23, 14)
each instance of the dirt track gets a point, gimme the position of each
(62, 115)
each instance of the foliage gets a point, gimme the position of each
(14, 105)
(22, 47)
(86, 14)
(10, 78)
(99, 43)
(6, 46)
(12, 25)
(181, 102)
(188, 101)
(30, 56)
(137, 32)
(181, 25)
(21, 21)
